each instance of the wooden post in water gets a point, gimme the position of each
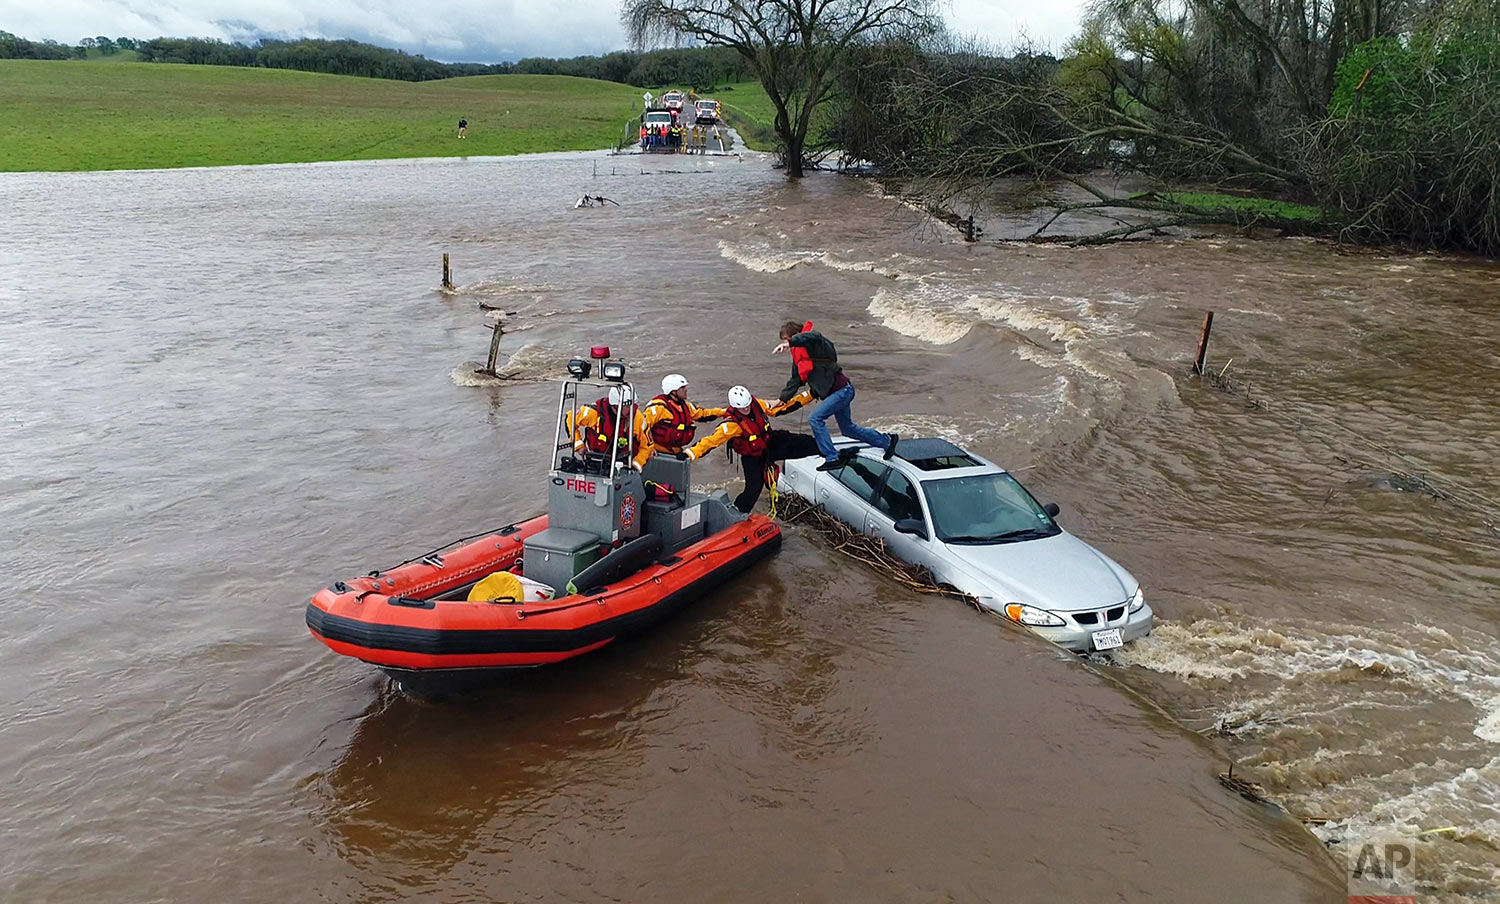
(447, 274)
(1208, 324)
(489, 366)
(969, 229)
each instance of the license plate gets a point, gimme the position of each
(1108, 640)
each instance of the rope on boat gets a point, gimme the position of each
(434, 553)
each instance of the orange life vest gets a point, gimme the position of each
(598, 439)
(677, 431)
(755, 429)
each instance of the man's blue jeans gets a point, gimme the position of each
(836, 406)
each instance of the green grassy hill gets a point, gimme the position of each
(85, 115)
(748, 108)
(119, 56)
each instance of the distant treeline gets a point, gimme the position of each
(332, 57)
(702, 67)
(18, 48)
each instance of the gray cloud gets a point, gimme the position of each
(467, 30)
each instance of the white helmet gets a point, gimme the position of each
(617, 394)
(673, 382)
(739, 397)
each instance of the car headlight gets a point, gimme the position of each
(1031, 615)
(1138, 601)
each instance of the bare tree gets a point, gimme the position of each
(793, 45)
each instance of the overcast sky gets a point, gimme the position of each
(454, 30)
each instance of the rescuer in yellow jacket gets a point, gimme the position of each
(594, 428)
(671, 420)
(747, 430)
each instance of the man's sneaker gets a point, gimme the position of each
(832, 465)
(891, 449)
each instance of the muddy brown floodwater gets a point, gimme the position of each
(224, 388)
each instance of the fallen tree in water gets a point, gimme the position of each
(1151, 213)
(1370, 120)
(1188, 209)
(945, 129)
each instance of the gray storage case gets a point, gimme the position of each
(556, 554)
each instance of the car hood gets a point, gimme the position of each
(1061, 572)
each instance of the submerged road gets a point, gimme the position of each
(242, 383)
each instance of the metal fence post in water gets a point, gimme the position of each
(447, 274)
(1208, 323)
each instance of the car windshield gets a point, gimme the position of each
(985, 508)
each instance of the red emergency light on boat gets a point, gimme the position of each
(599, 352)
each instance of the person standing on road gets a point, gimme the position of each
(747, 430)
(463, 128)
(815, 364)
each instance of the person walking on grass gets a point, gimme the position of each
(463, 128)
(815, 364)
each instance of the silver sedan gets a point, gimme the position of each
(977, 529)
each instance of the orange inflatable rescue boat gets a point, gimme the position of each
(608, 559)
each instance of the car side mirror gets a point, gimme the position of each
(1052, 509)
(912, 526)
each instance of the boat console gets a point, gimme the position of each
(596, 503)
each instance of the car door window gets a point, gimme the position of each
(862, 477)
(898, 499)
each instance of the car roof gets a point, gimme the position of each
(932, 458)
(920, 448)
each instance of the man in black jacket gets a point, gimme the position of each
(815, 362)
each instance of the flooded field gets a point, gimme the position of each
(243, 383)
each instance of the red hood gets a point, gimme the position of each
(801, 358)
